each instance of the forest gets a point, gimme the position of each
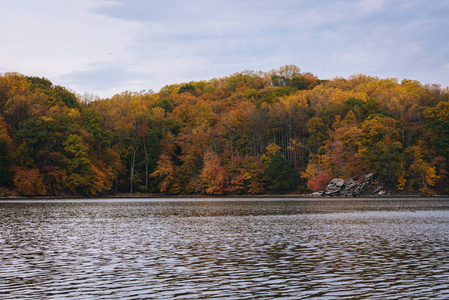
(281, 131)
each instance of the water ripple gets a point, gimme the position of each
(229, 250)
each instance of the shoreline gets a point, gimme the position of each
(262, 196)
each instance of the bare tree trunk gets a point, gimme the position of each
(146, 164)
(134, 148)
(118, 169)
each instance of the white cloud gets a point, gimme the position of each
(370, 6)
(59, 37)
(153, 43)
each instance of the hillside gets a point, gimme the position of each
(247, 133)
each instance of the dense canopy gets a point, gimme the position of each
(282, 131)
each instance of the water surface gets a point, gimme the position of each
(224, 248)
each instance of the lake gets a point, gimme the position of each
(289, 248)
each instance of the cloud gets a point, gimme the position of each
(202, 39)
(154, 43)
(99, 77)
(370, 6)
(56, 37)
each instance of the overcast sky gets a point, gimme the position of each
(106, 47)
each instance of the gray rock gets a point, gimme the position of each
(349, 187)
(353, 187)
(318, 194)
(369, 177)
(362, 189)
(334, 186)
(377, 189)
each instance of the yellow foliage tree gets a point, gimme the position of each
(423, 174)
(165, 172)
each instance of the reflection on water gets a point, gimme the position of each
(165, 249)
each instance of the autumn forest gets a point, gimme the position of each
(282, 131)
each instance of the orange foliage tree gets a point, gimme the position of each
(213, 175)
(29, 182)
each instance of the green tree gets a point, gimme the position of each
(381, 151)
(318, 134)
(5, 163)
(77, 162)
(437, 128)
(277, 170)
(385, 161)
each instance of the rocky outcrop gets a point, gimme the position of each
(334, 187)
(354, 187)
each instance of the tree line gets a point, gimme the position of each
(282, 131)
